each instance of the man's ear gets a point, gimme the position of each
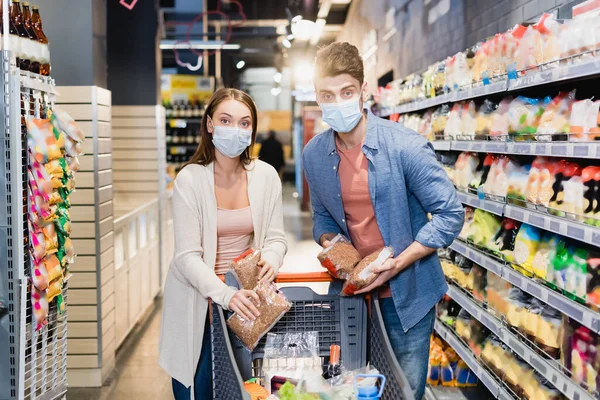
(365, 92)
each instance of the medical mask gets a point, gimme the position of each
(342, 117)
(231, 141)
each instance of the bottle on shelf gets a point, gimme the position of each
(196, 109)
(34, 45)
(189, 139)
(36, 21)
(168, 108)
(175, 113)
(19, 35)
(189, 110)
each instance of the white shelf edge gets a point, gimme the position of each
(488, 205)
(540, 78)
(467, 356)
(587, 150)
(546, 368)
(568, 307)
(572, 229)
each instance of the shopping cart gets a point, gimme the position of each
(346, 321)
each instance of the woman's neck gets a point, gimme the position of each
(227, 166)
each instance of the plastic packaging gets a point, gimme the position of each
(503, 242)
(39, 303)
(549, 28)
(41, 141)
(524, 114)
(484, 119)
(439, 119)
(555, 119)
(518, 179)
(37, 243)
(584, 120)
(363, 274)
(526, 247)
(453, 126)
(39, 275)
(339, 258)
(54, 289)
(245, 269)
(541, 263)
(273, 305)
(500, 120)
(64, 122)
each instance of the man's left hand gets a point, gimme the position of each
(387, 271)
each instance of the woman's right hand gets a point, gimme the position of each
(244, 304)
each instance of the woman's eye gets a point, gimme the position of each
(245, 124)
(224, 121)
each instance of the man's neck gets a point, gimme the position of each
(355, 137)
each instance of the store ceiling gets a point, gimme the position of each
(260, 36)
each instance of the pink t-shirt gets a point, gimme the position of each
(234, 236)
(358, 208)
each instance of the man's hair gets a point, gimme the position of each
(339, 58)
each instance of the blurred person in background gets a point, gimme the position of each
(375, 181)
(271, 152)
(224, 203)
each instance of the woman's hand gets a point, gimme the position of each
(267, 273)
(244, 304)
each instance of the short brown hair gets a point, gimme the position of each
(339, 58)
(205, 152)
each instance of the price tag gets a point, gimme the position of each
(475, 256)
(559, 150)
(580, 151)
(516, 214)
(517, 347)
(575, 232)
(476, 146)
(596, 238)
(522, 148)
(541, 149)
(537, 220)
(538, 364)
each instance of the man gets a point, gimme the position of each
(271, 152)
(375, 181)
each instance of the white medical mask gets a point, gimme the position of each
(231, 141)
(343, 116)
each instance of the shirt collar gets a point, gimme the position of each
(371, 140)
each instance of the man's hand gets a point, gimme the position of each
(326, 238)
(387, 271)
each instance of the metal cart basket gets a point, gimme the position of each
(339, 320)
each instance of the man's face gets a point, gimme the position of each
(340, 88)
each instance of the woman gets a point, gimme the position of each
(224, 203)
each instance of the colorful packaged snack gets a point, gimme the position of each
(469, 119)
(567, 175)
(591, 193)
(526, 246)
(484, 122)
(50, 237)
(518, 179)
(37, 242)
(39, 303)
(245, 269)
(39, 275)
(542, 261)
(42, 143)
(584, 120)
(554, 122)
(73, 163)
(453, 127)
(339, 258)
(534, 180)
(272, 307)
(63, 222)
(39, 202)
(500, 120)
(524, 114)
(483, 228)
(42, 179)
(363, 275)
(64, 122)
(548, 335)
(549, 28)
(53, 267)
(55, 289)
(503, 241)
(593, 278)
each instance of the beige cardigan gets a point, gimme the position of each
(191, 279)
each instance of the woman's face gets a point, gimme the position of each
(231, 113)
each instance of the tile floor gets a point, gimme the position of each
(137, 374)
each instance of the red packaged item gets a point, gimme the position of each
(363, 275)
(339, 258)
(245, 269)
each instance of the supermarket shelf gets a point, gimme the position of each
(552, 149)
(548, 76)
(568, 307)
(572, 229)
(474, 201)
(186, 119)
(496, 388)
(547, 368)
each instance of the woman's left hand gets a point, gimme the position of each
(267, 273)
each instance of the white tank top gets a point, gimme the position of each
(235, 232)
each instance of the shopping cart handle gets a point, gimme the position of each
(293, 277)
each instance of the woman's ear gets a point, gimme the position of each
(209, 125)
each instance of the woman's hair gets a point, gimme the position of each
(205, 153)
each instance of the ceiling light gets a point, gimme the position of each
(290, 37)
(296, 18)
(303, 29)
(240, 64)
(197, 45)
(276, 91)
(303, 72)
(319, 25)
(286, 43)
(277, 77)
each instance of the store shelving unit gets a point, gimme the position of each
(549, 369)
(495, 387)
(589, 150)
(545, 76)
(568, 307)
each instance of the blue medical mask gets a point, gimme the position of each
(231, 141)
(343, 116)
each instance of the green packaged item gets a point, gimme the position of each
(484, 227)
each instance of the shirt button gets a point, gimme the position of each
(343, 220)
(334, 167)
(339, 195)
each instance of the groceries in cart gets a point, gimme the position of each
(339, 258)
(245, 269)
(364, 274)
(273, 305)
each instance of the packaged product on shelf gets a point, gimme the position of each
(500, 120)
(39, 275)
(453, 128)
(245, 269)
(516, 310)
(363, 275)
(73, 163)
(39, 304)
(463, 325)
(529, 52)
(550, 169)
(461, 72)
(526, 246)
(439, 78)
(524, 114)
(534, 180)
(548, 332)
(567, 175)
(496, 184)
(43, 180)
(464, 273)
(54, 289)
(41, 141)
(495, 354)
(584, 120)
(469, 119)
(517, 184)
(480, 63)
(554, 123)
(549, 28)
(547, 248)
(440, 369)
(570, 271)
(512, 40)
(340, 257)
(593, 282)
(273, 305)
(439, 119)
(503, 243)
(39, 212)
(428, 85)
(547, 392)
(496, 67)
(572, 203)
(464, 376)
(467, 170)
(589, 176)
(484, 227)
(580, 355)
(532, 318)
(479, 282)
(65, 123)
(53, 267)
(37, 242)
(516, 373)
(469, 220)
(50, 237)
(484, 119)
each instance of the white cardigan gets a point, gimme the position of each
(191, 279)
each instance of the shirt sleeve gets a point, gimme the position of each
(275, 245)
(428, 181)
(323, 222)
(188, 264)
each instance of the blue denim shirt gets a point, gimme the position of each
(406, 182)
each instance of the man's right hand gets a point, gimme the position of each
(326, 238)
(244, 304)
